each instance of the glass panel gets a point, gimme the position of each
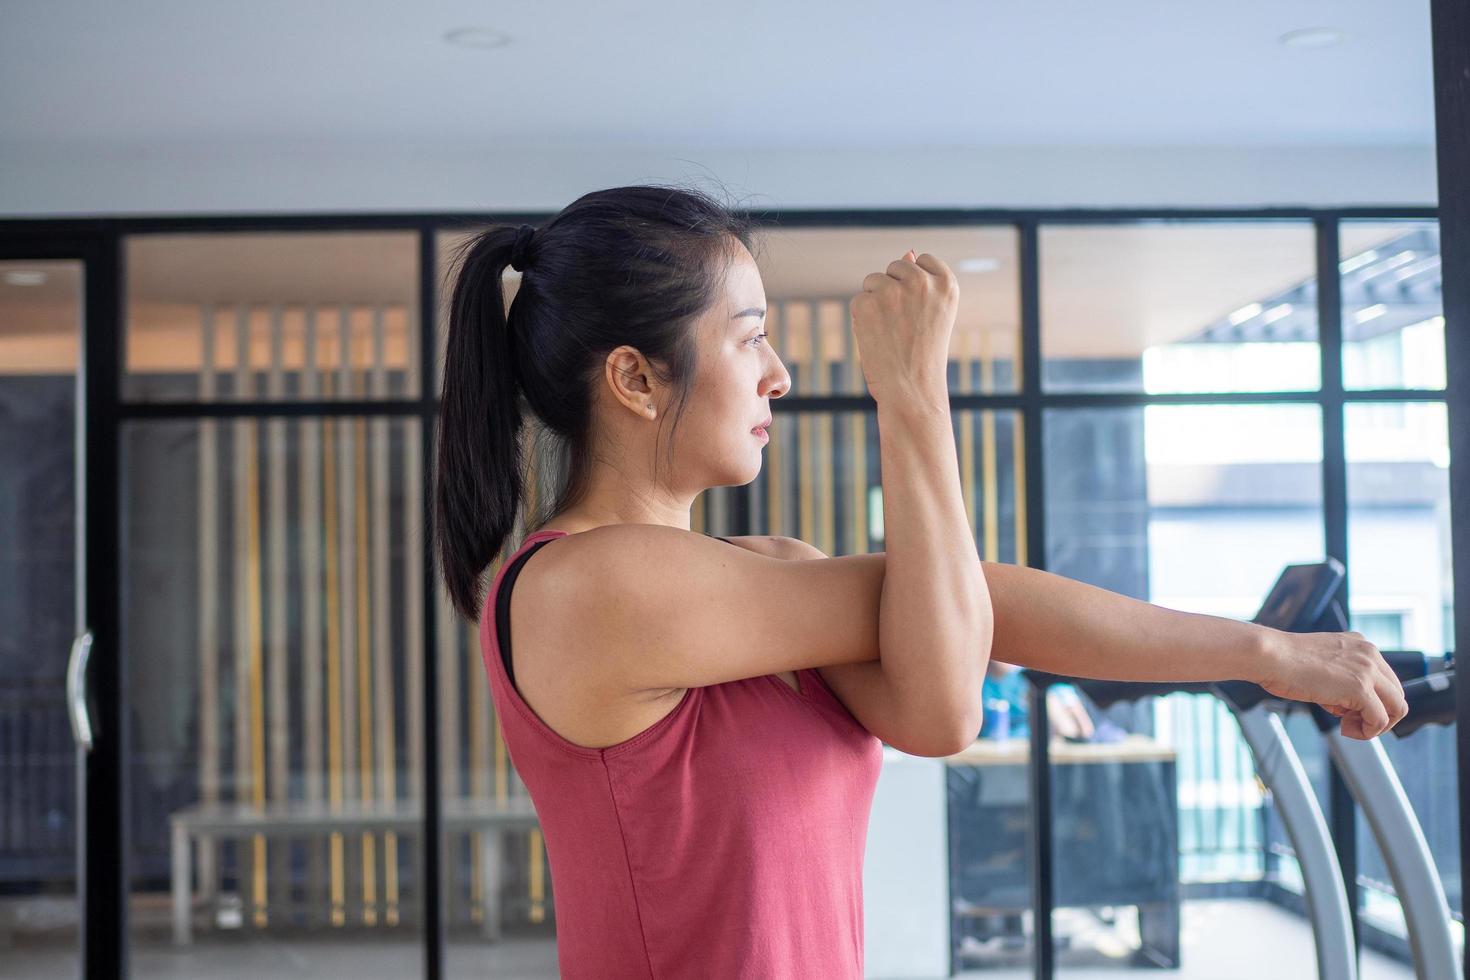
(1195, 508)
(811, 274)
(40, 332)
(1392, 311)
(1399, 505)
(1179, 307)
(219, 317)
(272, 615)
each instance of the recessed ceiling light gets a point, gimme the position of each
(477, 37)
(25, 277)
(1313, 37)
(977, 265)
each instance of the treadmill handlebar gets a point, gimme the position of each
(1431, 701)
(1431, 697)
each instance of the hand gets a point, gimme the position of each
(1342, 672)
(902, 322)
(1066, 715)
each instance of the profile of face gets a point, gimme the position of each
(739, 373)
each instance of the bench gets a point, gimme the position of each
(487, 817)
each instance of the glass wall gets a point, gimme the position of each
(40, 332)
(274, 612)
(1195, 508)
(1179, 307)
(201, 306)
(273, 605)
(1399, 568)
(1392, 313)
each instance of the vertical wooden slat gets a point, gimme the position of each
(826, 530)
(858, 438)
(362, 600)
(806, 456)
(238, 543)
(209, 598)
(415, 543)
(310, 453)
(775, 449)
(1018, 461)
(335, 781)
(989, 449)
(279, 785)
(449, 697)
(383, 683)
(347, 575)
(249, 699)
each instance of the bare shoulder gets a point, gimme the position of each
(643, 607)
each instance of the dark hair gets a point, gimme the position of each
(629, 265)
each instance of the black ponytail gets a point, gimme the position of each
(630, 265)
(479, 422)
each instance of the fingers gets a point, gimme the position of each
(902, 269)
(876, 280)
(1391, 692)
(1372, 717)
(906, 268)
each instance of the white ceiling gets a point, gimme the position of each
(757, 73)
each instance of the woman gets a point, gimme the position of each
(700, 725)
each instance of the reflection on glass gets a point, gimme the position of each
(242, 316)
(272, 600)
(1392, 310)
(40, 329)
(1179, 307)
(810, 276)
(1402, 597)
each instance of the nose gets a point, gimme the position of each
(778, 380)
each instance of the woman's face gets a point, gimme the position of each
(738, 375)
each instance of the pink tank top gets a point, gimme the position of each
(724, 840)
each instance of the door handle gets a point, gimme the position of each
(76, 691)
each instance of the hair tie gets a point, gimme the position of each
(518, 252)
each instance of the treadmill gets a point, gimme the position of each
(1303, 600)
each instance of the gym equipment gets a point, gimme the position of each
(1303, 600)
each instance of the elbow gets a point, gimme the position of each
(945, 743)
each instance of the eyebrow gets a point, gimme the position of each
(752, 311)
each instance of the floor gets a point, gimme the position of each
(1222, 940)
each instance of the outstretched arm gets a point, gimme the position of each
(1049, 622)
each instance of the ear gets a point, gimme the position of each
(630, 378)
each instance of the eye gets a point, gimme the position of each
(757, 338)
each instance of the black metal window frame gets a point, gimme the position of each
(101, 243)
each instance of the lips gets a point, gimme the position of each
(764, 425)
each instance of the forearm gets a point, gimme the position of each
(1053, 623)
(935, 618)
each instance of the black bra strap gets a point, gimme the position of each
(502, 605)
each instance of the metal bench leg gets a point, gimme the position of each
(181, 856)
(490, 884)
